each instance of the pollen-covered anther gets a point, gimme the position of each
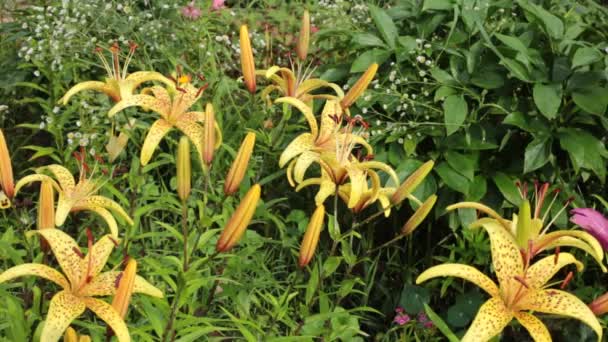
(556, 259)
(78, 252)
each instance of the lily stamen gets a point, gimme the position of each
(566, 280)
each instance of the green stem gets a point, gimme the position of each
(185, 233)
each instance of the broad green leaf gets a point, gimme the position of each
(506, 186)
(585, 56)
(517, 69)
(585, 150)
(437, 5)
(548, 98)
(367, 58)
(367, 39)
(537, 153)
(488, 79)
(330, 265)
(593, 99)
(463, 164)
(455, 111)
(452, 179)
(384, 24)
(442, 76)
(413, 298)
(551, 23)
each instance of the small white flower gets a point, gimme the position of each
(421, 59)
(78, 123)
(400, 140)
(422, 73)
(56, 109)
(419, 41)
(37, 73)
(427, 46)
(42, 125)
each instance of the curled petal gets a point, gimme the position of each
(156, 133)
(569, 241)
(484, 209)
(304, 142)
(461, 271)
(304, 109)
(561, 303)
(107, 203)
(144, 101)
(105, 214)
(62, 175)
(302, 163)
(90, 85)
(543, 270)
(38, 270)
(35, 178)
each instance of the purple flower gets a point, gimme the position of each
(217, 5)
(423, 318)
(191, 12)
(593, 222)
(401, 319)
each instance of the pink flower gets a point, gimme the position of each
(401, 319)
(217, 5)
(423, 318)
(593, 222)
(399, 310)
(191, 12)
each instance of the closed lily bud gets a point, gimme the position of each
(359, 87)
(124, 290)
(412, 182)
(84, 338)
(184, 169)
(240, 219)
(209, 135)
(304, 38)
(600, 305)
(70, 335)
(419, 215)
(46, 210)
(239, 165)
(6, 169)
(311, 237)
(247, 63)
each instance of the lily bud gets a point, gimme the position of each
(46, 210)
(524, 224)
(240, 219)
(70, 335)
(304, 38)
(311, 237)
(84, 338)
(6, 169)
(359, 87)
(412, 182)
(125, 285)
(419, 215)
(209, 135)
(184, 169)
(239, 165)
(600, 305)
(247, 63)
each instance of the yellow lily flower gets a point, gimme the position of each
(7, 186)
(118, 85)
(530, 231)
(82, 280)
(296, 84)
(172, 106)
(77, 196)
(521, 289)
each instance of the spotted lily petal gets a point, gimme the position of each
(156, 133)
(104, 284)
(38, 270)
(66, 252)
(460, 271)
(358, 183)
(62, 175)
(568, 241)
(306, 110)
(535, 326)
(104, 213)
(543, 270)
(302, 164)
(561, 303)
(492, 317)
(313, 84)
(35, 178)
(109, 315)
(89, 85)
(549, 240)
(381, 166)
(484, 209)
(99, 254)
(304, 142)
(137, 78)
(506, 257)
(189, 125)
(64, 206)
(64, 308)
(107, 203)
(145, 101)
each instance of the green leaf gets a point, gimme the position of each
(585, 150)
(455, 111)
(384, 24)
(553, 25)
(593, 99)
(548, 98)
(313, 282)
(367, 39)
(437, 5)
(452, 179)
(330, 265)
(408, 43)
(517, 69)
(463, 164)
(413, 298)
(488, 79)
(442, 76)
(440, 324)
(537, 153)
(506, 186)
(367, 58)
(585, 56)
